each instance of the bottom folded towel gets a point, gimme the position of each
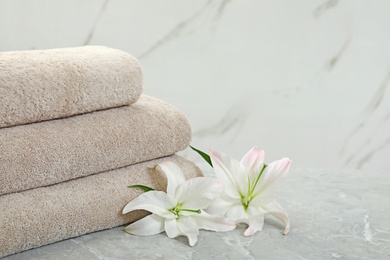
(49, 214)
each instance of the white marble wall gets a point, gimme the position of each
(307, 79)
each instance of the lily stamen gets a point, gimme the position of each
(191, 210)
(258, 177)
(176, 210)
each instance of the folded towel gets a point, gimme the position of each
(41, 85)
(53, 151)
(45, 215)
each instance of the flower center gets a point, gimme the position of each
(177, 209)
(248, 197)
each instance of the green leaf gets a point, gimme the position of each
(204, 155)
(145, 188)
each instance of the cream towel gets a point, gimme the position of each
(45, 215)
(42, 85)
(53, 151)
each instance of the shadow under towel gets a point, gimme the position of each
(46, 215)
(47, 84)
(54, 151)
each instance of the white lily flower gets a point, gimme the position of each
(248, 189)
(179, 211)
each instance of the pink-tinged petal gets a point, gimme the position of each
(228, 170)
(213, 222)
(253, 161)
(274, 171)
(175, 177)
(198, 193)
(157, 202)
(149, 225)
(279, 212)
(254, 224)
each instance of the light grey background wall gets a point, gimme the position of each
(307, 79)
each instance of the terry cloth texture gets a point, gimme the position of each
(45, 215)
(46, 84)
(54, 151)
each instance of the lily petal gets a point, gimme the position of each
(189, 228)
(149, 225)
(237, 213)
(255, 209)
(192, 239)
(184, 226)
(279, 212)
(253, 161)
(175, 177)
(220, 205)
(272, 173)
(213, 222)
(254, 224)
(228, 170)
(198, 193)
(157, 202)
(171, 228)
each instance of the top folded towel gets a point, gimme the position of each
(41, 85)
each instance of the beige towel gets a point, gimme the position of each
(42, 85)
(53, 151)
(45, 215)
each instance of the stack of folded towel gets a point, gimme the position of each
(75, 131)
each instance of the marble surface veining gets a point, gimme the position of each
(335, 214)
(304, 79)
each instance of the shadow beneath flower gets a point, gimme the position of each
(274, 222)
(183, 240)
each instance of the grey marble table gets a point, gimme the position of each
(335, 214)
